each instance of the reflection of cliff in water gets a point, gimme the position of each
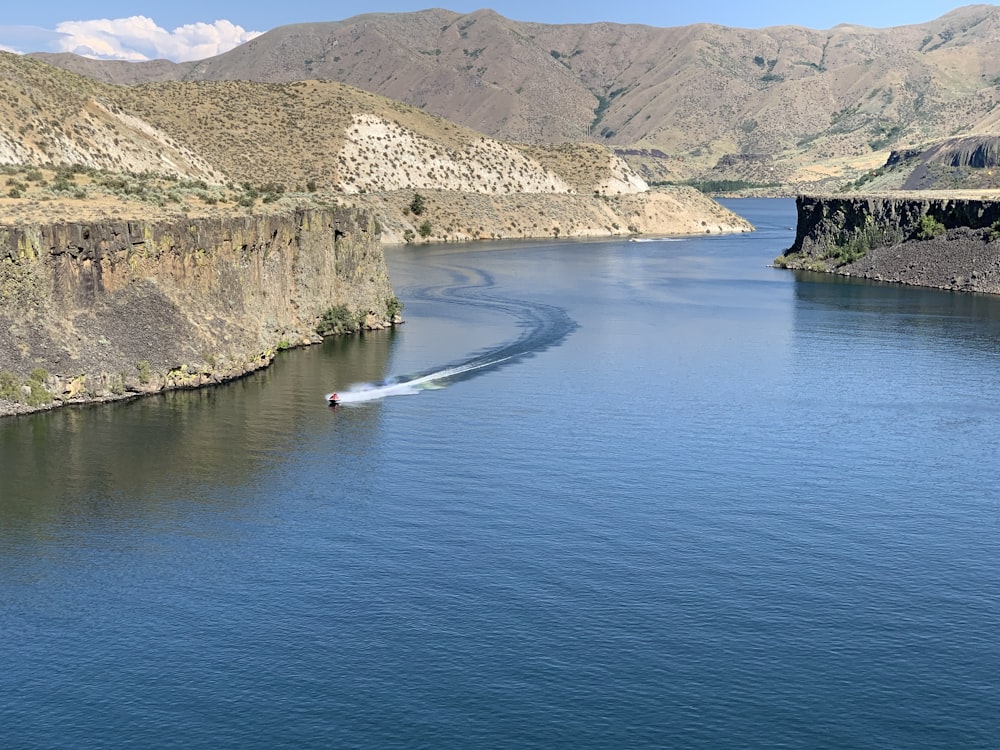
(122, 459)
(958, 320)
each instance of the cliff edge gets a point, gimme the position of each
(944, 242)
(114, 309)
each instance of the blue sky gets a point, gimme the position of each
(186, 30)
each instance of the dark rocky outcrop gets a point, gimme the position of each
(732, 160)
(945, 243)
(103, 311)
(902, 155)
(969, 162)
(977, 152)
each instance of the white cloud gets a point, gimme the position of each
(20, 39)
(139, 38)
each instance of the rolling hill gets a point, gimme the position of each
(215, 146)
(786, 106)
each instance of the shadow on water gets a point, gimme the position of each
(124, 458)
(956, 320)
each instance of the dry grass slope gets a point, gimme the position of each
(75, 148)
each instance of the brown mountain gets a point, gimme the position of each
(786, 104)
(213, 146)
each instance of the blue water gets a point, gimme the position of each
(673, 498)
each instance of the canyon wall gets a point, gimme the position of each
(114, 309)
(949, 243)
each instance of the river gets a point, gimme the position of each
(601, 494)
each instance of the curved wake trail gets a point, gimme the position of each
(542, 326)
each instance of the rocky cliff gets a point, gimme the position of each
(950, 243)
(956, 164)
(118, 308)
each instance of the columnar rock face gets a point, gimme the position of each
(103, 311)
(826, 222)
(940, 242)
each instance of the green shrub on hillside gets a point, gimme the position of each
(858, 243)
(339, 320)
(10, 386)
(853, 249)
(417, 205)
(928, 228)
(31, 392)
(38, 395)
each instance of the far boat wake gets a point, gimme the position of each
(544, 326)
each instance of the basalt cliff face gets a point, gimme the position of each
(949, 243)
(114, 309)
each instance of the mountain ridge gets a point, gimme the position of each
(824, 106)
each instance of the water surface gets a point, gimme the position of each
(680, 499)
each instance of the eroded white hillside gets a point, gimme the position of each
(102, 138)
(13, 150)
(621, 179)
(381, 155)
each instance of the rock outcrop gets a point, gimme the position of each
(975, 151)
(114, 309)
(949, 243)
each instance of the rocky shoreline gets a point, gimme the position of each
(962, 259)
(944, 243)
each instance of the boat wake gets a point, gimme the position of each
(410, 385)
(542, 325)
